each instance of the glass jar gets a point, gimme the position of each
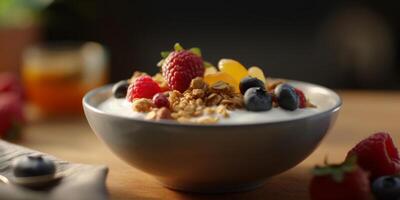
(57, 76)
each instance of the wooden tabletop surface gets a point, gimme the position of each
(363, 113)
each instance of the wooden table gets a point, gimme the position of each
(363, 113)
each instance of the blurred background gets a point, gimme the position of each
(77, 45)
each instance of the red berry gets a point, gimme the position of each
(11, 112)
(274, 98)
(9, 82)
(180, 67)
(378, 155)
(346, 181)
(160, 100)
(302, 98)
(143, 87)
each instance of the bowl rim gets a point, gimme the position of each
(95, 91)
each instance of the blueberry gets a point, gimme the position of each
(257, 99)
(29, 166)
(287, 97)
(249, 82)
(386, 188)
(119, 89)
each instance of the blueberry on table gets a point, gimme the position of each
(119, 89)
(257, 99)
(386, 188)
(36, 165)
(249, 82)
(287, 97)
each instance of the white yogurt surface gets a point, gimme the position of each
(123, 108)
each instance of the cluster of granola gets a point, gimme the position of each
(200, 103)
(204, 102)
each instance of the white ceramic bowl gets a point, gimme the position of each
(212, 158)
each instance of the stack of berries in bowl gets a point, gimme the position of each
(370, 171)
(11, 105)
(189, 89)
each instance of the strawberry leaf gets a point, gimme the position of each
(165, 54)
(337, 175)
(196, 51)
(336, 171)
(350, 164)
(178, 47)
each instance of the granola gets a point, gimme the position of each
(200, 103)
(142, 105)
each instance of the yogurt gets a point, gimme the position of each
(122, 107)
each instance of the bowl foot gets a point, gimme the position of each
(212, 189)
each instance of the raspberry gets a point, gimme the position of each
(180, 67)
(160, 100)
(378, 155)
(143, 87)
(302, 98)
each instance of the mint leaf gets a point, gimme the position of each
(165, 54)
(178, 47)
(196, 51)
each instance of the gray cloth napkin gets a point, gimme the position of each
(81, 181)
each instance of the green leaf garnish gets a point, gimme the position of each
(178, 47)
(196, 51)
(165, 54)
(337, 171)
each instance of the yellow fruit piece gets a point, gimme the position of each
(233, 68)
(210, 70)
(221, 76)
(256, 72)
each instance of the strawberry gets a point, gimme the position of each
(181, 66)
(345, 181)
(378, 155)
(11, 113)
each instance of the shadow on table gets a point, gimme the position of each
(292, 184)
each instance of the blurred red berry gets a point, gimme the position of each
(11, 112)
(378, 155)
(10, 82)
